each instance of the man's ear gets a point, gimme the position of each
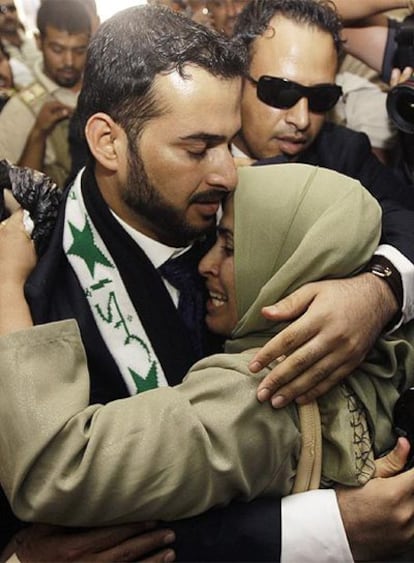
(106, 140)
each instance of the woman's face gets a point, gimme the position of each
(217, 267)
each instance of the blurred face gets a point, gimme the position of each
(224, 14)
(296, 52)
(64, 56)
(6, 77)
(181, 168)
(9, 21)
(217, 267)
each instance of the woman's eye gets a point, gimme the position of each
(228, 250)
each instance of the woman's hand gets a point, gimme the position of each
(17, 260)
(17, 251)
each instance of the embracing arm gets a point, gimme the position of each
(200, 436)
(335, 322)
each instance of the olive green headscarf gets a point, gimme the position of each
(296, 224)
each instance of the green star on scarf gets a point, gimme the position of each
(150, 382)
(84, 247)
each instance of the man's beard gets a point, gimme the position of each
(141, 196)
(67, 82)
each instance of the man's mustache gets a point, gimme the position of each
(212, 196)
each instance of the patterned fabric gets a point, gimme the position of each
(115, 316)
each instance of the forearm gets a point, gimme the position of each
(14, 312)
(356, 10)
(207, 443)
(371, 51)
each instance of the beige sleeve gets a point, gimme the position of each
(167, 453)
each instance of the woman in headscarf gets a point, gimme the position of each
(176, 451)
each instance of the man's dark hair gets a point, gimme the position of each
(253, 21)
(67, 15)
(134, 46)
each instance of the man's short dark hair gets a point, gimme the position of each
(134, 46)
(253, 21)
(67, 15)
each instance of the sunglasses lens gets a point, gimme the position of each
(284, 94)
(323, 98)
(277, 92)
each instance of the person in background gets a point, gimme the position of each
(92, 9)
(6, 77)
(34, 124)
(223, 14)
(20, 46)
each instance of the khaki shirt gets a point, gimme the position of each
(19, 115)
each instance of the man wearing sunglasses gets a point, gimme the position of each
(294, 47)
(19, 45)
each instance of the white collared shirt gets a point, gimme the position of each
(157, 252)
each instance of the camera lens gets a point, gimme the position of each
(400, 106)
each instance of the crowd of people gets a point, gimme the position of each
(234, 381)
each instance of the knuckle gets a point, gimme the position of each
(319, 375)
(403, 515)
(126, 555)
(266, 356)
(300, 362)
(290, 339)
(277, 379)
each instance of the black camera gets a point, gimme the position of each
(400, 105)
(400, 54)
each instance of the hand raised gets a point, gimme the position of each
(335, 323)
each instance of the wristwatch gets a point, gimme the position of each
(384, 269)
(380, 270)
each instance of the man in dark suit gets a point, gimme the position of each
(160, 164)
(294, 46)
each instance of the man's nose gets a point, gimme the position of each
(68, 58)
(224, 172)
(298, 115)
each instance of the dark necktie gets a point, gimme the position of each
(182, 273)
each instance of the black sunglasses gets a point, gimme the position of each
(4, 8)
(284, 94)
